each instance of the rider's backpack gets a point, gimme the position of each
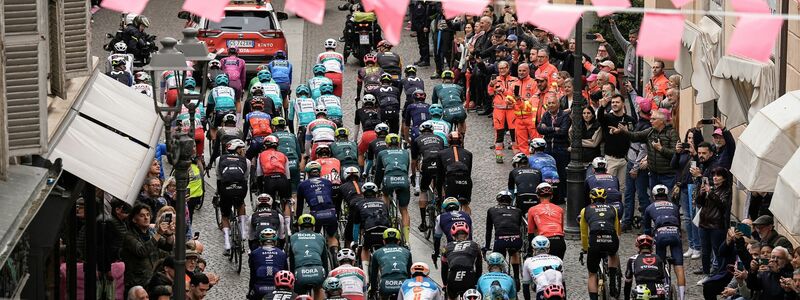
(260, 126)
(232, 168)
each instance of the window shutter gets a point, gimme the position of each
(76, 37)
(25, 76)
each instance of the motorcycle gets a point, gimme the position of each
(146, 47)
(362, 35)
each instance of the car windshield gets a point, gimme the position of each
(236, 21)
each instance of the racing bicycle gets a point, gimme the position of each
(237, 246)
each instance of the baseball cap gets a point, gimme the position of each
(645, 106)
(667, 114)
(592, 77)
(608, 63)
(501, 48)
(764, 220)
(717, 131)
(192, 253)
(511, 37)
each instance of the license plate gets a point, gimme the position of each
(364, 39)
(241, 43)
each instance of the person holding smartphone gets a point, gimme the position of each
(683, 160)
(501, 88)
(714, 201)
(774, 280)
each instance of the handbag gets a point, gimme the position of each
(696, 219)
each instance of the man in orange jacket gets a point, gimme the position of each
(502, 88)
(526, 110)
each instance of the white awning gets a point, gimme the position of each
(111, 138)
(766, 144)
(744, 87)
(787, 195)
(698, 57)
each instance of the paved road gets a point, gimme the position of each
(306, 42)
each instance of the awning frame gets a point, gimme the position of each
(734, 78)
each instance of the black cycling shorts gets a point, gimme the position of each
(230, 198)
(558, 247)
(277, 185)
(459, 187)
(459, 280)
(373, 238)
(600, 245)
(525, 201)
(509, 243)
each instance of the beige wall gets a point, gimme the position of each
(793, 50)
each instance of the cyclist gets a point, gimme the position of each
(368, 77)
(351, 193)
(284, 287)
(455, 170)
(370, 219)
(308, 257)
(547, 219)
(423, 159)
(272, 169)
(289, 146)
(235, 68)
(214, 70)
(119, 73)
(265, 262)
(542, 161)
(141, 83)
(665, 217)
(227, 132)
(522, 182)
(601, 179)
(389, 266)
(271, 90)
(301, 109)
(451, 214)
(542, 269)
(257, 93)
(388, 97)
(461, 261)
(353, 279)
(233, 170)
(366, 118)
(199, 115)
(411, 83)
(333, 289)
(496, 284)
(331, 167)
(332, 102)
(281, 70)
(472, 294)
(334, 65)
(344, 150)
(600, 230)
(220, 102)
(265, 216)
(376, 146)
(391, 173)
(646, 271)
(452, 97)
(320, 131)
(389, 61)
(318, 191)
(318, 80)
(257, 122)
(420, 286)
(414, 114)
(440, 126)
(506, 221)
(121, 52)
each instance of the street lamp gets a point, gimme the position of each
(195, 51)
(576, 169)
(179, 149)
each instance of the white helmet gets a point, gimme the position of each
(330, 44)
(344, 254)
(369, 98)
(129, 18)
(235, 144)
(214, 63)
(420, 267)
(543, 185)
(538, 143)
(660, 190)
(472, 294)
(350, 171)
(120, 46)
(142, 76)
(265, 199)
(256, 88)
(599, 163)
(540, 243)
(321, 109)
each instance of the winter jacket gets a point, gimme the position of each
(658, 161)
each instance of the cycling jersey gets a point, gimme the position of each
(270, 107)
(446, 220)
(265, 218)
(420, 288)
(272, 162)
(425, 148)
(333, 61)
(546, 164)
(524, 180)
(280, 295)
(546, 219)
(333, 104)
(372, 216)
(393, 263)
(441, 128)
(375, 147)
(331, 170)
(315, 83)
(455, 173)
(264, 263)
(123, 77)
(388, 101)
(506, 222)
(351, 193)
(144, 88)
(369, 77)
(221, 98)
(281, 70)
(497, 286)
(647, 269)
(352, 280)
(461, 265)
(452, 97)
(302, 109)
(235, 68)
(346, 152)
(308, 249)
(599, 224)
(661, 219)
(273, 91)
(368, 118)
(543, 270)
(390, 63)
(320, 130)
(289, 146)
(318, 192)
(257, 124)
(411, 84)
(604, 181)
(413, 115)
(391, 168)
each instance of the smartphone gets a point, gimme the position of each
(590, 36)
(731, 268)
(168, 218)
(707, 121)
(516, 90)
(763, 261)
(705, 180)
(740, 266)
(744, 229)
(693, 164)
(734, 224)
(197, 235)
(685, 146)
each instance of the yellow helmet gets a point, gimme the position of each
(306, 219)
(393, 139)
(597, 194)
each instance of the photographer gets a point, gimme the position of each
(774, 280)
(715, 214)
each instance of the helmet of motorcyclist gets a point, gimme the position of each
(420, 269)
(332, 284)
(538, 144)
(519, 158)
(351, 173)
(271, 141)
(554, 292)
(264, 75)
(313, 166)
(188, 83)
(222, 80)
(342, 132)
(391, 234)
(472, 294)
(141, 21)
(644, 242)
(257, 90)
(279, 121)
(302, 90)
(454, 138)
(214, 63)
(393, 139)
(540, 244)
(448, 75)
(320, 110)
(267, 235)
(426, 126)
(597, 195)
(369, 99)
(451, 204)
(120, 47)
(370, 58)
(265, 200)
(660, 192)
(233, 51)
(495, 259)
(599, 163)
(330, 44)
(306, 220)
(229, 119)
(326, 89)
(235, 144)
(144, 77)
(280, 54)
(386, 78)
(323, 151)
(504, 197)
(318, 70)
(284, 279)
(381, 129)
(419, 95)
(436, 110)
(369, 189)
(411, 69)
(346, 254)
(459, 227)
(544, 189)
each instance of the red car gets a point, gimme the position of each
(253, 27)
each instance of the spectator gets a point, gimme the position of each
(659, 139)
(198, 287)
(169, 190)
(163, 276)
(773, 281)
(724, 144)
(554, 126)
(137, 293)
(110, 231)
(511, 40)
(616, 145)
(656, 88)
(637, 179)
(155, 170)
(604, 52)
(592, 135)
(609, 67)
(765, 226)
(565, 102)
(163, 292)
(543, 66)
(151, 194)
(523, 50)
(759, 204)
(714, 202)
(141, 248)
(631, 63)
(420, 14)
(737, 287)
(675, 82)
(567, 56)
(682, 160)
(443, 47)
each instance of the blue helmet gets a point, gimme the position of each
(221, 79)
(280, 54)
(319, 69)
(495, 259)
(326, 88)
(302, 89)
(189, 83)
(264, 75)
(436, 110)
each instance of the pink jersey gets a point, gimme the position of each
(352, 280)
(234, 67)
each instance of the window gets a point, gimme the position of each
(244, 21)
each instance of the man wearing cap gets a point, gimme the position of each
(637, 179)
(512, 41)
(609, 67)
(724, 143)
(765, 226)
(543, 66)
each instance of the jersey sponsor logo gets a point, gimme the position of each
(460, 275)
(649, 261)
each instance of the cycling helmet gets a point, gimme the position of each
(385, 44)
(386, 77)
(381, 128)
(117, 61)
(233, 51)
(370, 58)
(264, 75)
(313, 166)
(326, 88)
(538, 143)
(345, 254)
(436, 110)
(553, 292)
(229, 118)
(257, 90)
(459, 227)
(257, 103)
(261, 67)
(271, 142)
(454, 138)
(426, 126)
(644, 241)
(280, 54)
(450, 203)
(420, 268)
(120, 47)
(393, 139)
(472, 294)
(419, 95)
(599, 163)
(318, 69)
(448, 75)
(306, 219)
(302, 89)
(540, 243)
(265, 199)
(411, 69)
(284, 279)
(214, 63)
(278, 121)
(642, 291)
(268, 234)
(235, 144)
(141, 20)
(369, 187)
(189, 83)
(519, 158)
(320, 109)
(332, 284)
(369, 98)
(660, 190)
(495, 259)
(143, 76)
(221, 79)
(342, 132)
(323, 151)
(330, 44)
(544, 188)
(351, 171)
(504, 197)
(597, 194)
(391, 234)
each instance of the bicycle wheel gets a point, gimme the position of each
(344, 213)
(430, 212)
(523, 233)
(234, 224)
(217, 212)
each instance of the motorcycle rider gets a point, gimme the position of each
(334, 65)
(136, 39)
(265, 262)
(281, 70)
(388, 97)
(235, 68)
(318, 80)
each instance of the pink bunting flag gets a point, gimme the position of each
(213, 10)
(660, 36)
(621, 4)
(754, 37)
(680, 3)
(310, 10)
(558, 21)
(453, 8)
(125, 6)
(390, 16)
